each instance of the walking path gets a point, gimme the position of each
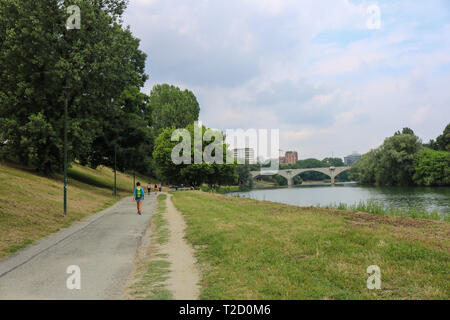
(103, 246)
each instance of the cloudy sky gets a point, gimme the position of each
(323, 72)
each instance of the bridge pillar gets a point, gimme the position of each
(332, 175)
(290, 182)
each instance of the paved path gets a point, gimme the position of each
(104, 246)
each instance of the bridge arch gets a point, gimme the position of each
(281, 174)
(325, 172)
(289, 174)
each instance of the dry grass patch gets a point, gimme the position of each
(31, 205)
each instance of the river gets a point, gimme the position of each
(350, 193)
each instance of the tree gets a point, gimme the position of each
(395, 165)
(298, 180)
(390, 164)
(333, 162)
(407, 130)
(432, 168)
(39, 57)
(245, 179)
(443, 141)
(172, 107)
(126, 135)
(193, 174)
(280, 180)
(364, 170)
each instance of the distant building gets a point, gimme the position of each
(246, 154)
(348, 160)
(290, 157)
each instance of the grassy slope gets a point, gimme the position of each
(31, 206)
(260, 250)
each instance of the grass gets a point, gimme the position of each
(103, 177)
(221, 189)
(252, 249)
(150, 279)
(372, 206)
(31, 205)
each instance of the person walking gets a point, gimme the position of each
(159, 187)
(149, 188)
(138, 196)
(156, 189)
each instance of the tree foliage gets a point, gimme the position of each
(244, 178)
(193, 174)
(40, 57)
(390, 164)
(443, 141)
(432, 168)
(172, 107)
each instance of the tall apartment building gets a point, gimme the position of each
(290, 157)
(248, 154)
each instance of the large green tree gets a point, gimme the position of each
(172, 107)
(40, 57)
(390, 164)
(396, 160)
(432, 168)
(443, 141)
(192, 174)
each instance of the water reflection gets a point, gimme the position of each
(430, 198)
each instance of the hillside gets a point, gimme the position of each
(31, 205)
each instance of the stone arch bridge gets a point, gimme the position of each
(289, 174)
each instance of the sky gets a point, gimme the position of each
(334, 76)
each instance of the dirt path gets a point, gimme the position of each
(184, 276)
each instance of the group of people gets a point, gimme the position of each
(157, 188)
(139, 194)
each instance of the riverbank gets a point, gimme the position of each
(420, 202)
(250, 249)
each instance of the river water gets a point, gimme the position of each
(350, 193)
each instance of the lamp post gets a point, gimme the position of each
(115, 170)
(66, 102)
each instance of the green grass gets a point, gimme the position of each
(150, 282)
(261, 250)
(151, 285)
(372, 206)
(31, 205)
(103, 177)
(221, 189)
(162, 232)
(14, 248)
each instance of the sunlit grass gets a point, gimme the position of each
(376, 207)
(252, 249)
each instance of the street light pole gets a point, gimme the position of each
(66, 102)
(115, 170)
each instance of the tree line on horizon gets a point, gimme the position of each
(403, 160)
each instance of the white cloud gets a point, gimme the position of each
(255, 63)
(420, 115)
